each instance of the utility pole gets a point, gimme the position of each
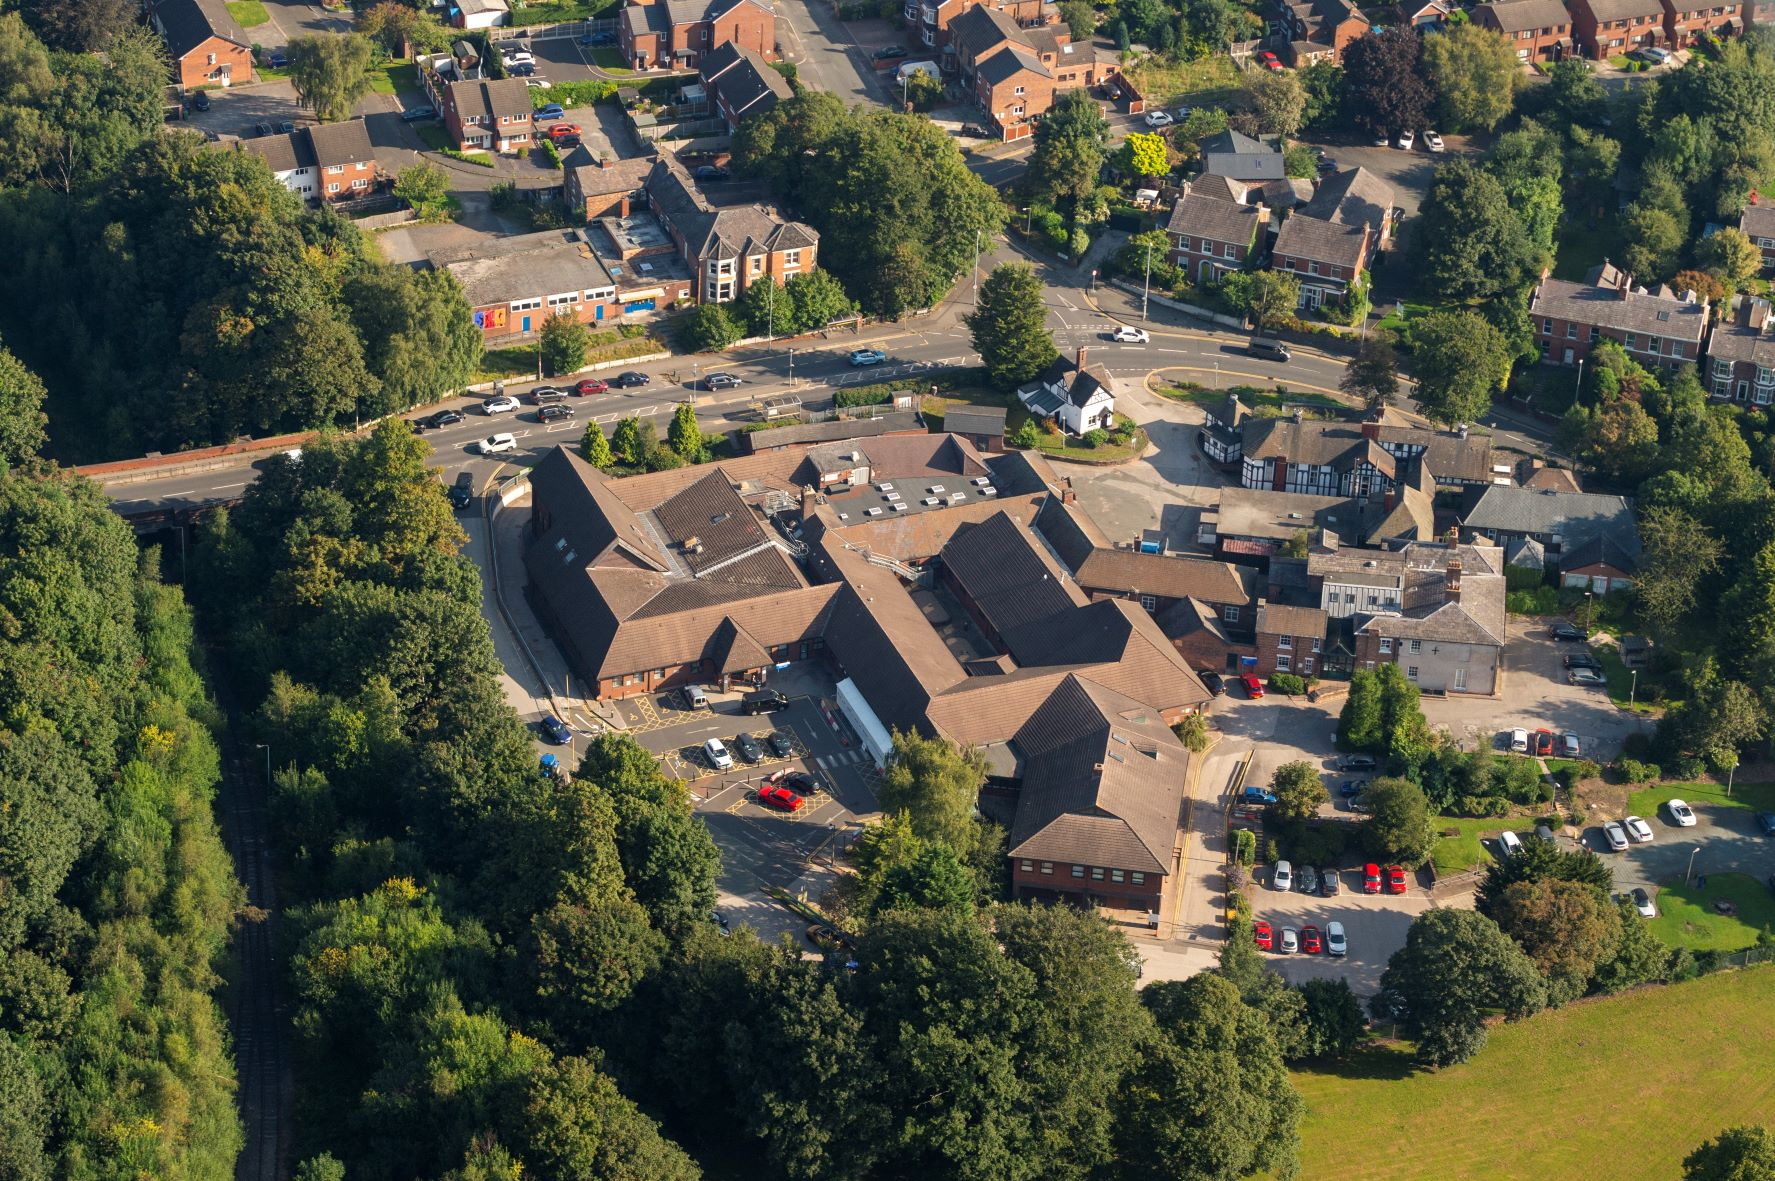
(976, 268)
(1146, 293)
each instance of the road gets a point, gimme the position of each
(297, 18)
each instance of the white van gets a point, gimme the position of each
(695, 697)
(716, 752)
(1510, 843)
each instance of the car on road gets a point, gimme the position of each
(763, 701)
(497, 444)
(889, 53)
(547, 393)
(712, 172)
(1642, 902)
(1395, 879)
(589, 386)
(1519, 741)
(1568, 633)
(556, 731)
(550, 111)
(1260, 796)
(553, 412)
(1432, 141)
(1330, 884)
(1583, 660)
(779, 744)
(721, 381)
(715, 751)
(1765, 820)
(462, 492)
(442, 418)
(200, 101)
(1130, 335)
(415, 114)
(1615, 835)
(1681, 813)
(1213, 682)
(607, 37)
(862, 357)
(560, 131)
(775, 795)
(1263, 935)
(1265, 349)
(1542, 743)
(1335, 943)
(748, 747)
(1282, 878)
(1586, 676)
(1638, 829)
(503, 404)
(1290, 941)
(1253, 686)
(1309, 940)
(1357, 763)
(262, 129)
(631, 378)
(1406, 140)
(1159, 119)
(1308, 880)
(1371, 878)
(1568, 746)
(1270, 61)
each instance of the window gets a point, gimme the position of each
(1571, 331)
(1316, 642)
(1230, 614)
(1306, 665)
(526, 305)
(1047, 867)
(1547, 327)
(1138, 879)
(1349, 596)
(1632, 340)
(1096, 873)
(1416, 647)
(1676, 348)
(1149, 603)
(1595, 334)
(1026, 866)
(1078, 871)
(1283, 663)
(1386, 645)
(1019, 90)
(791, 258)
(1116, 875)
(212, 60)
(1654, 343)
(1460, 678)
(1284, 642)
(1230, 251)
(333, 188)
(1312, 268)
(1411, 672)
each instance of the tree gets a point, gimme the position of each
(1730, 256)
(1400, 826)
(1324, 84)
(424, 185)
(1334, 1021)
(1619, 439)
(83, 26)
(420, 339)
(1070, 145)
(1278, 100)
(1455, 968)
(1193, 732)
(627, 443)
(1265, 296)
(1359, 722)
(709, 328)
(574, 1122)
(1744, 1153)
(937, 784)
(1010, 326)
(818, 300)
(1404, 731)
(1382, 88)
(589, 958)
(1473, 71)
(1374, 375)
(1143, 154)
(1472, 246)
(1299, 791)
(766, 309)
(594, 448)
(1654, 240)
(1719, 716)
(330, 73)
(22, 420)
(1297, 545)
(684, 435)
(563, 344)
(325, 1167)
(1300, 162)
(1677, 553)
(1460, 362)
(398, 27)
(923, 91)
(1567, 929)
(1080, 18)
(1539, 860)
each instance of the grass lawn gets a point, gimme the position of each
(1621, 682)
(1458, 854)
(1759, 797)
(1581, 247)
(1659, 1071)
(394, 76)
(555, 12)
(1211, 81)
(609, 59)
(519, 362)
(1394, 322)
(250, 13)
(1686, 917)
(1250, 395)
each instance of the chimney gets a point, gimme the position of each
(1081, 362)
(606, 162)
(1452, 583)
(1300, 414)
(1453, 536)
(1461, 430)
(1371, 426)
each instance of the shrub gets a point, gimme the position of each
(1244, 846)
(1235, 877)
(1687, 767)
(1288, 684)
(1095, 437)
(1542, 600)
(1025, 436)
(1271, 852)
(1193, 732)
(573, 94)
(1634, 771)
(1584, 770)
(1576, 818)
(709, 328)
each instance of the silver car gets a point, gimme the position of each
(1335, 943)
(1289, 942)
(1283, 877)
(1615, 835)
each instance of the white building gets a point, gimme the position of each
(1078, 397)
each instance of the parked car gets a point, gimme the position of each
(1406, 139)
(590, 385)
(775, 795)
(556, 731)
(1264, 936)
(1282, 878)
(607, 37)
(1360, 804)
(1158, 119)
(1765, 820)
(1309, 940)
(1260, 796)
(862, 357)
(1357, 763)
(1543, 743)
(521, 70)
(712, 172)
(1568, 746)
(1290, 941)
(1685, 815)
(517, 55)
(1265, 349)
(561, 131)
(545, 84)
(889, 53)
(1253, 686)
(1638, 829)
(1510, 843)
(547, 393)
(1586, 676)
(503, 404)
(1371, 878)
(1270, 61)
(553, 412)
(695, 697)
(720, 381)
(262, 129)
(1213, 682)
(763, 701)
(799, 781)
(1327, 166)
(1432, 141)
(631, 378)
(550, 111)
(497, 444)
(1308, 880)
(1351, 788)
(779, 744)
(1335, 944)
(1130, 335)
(1519, 741)
(1182, 113)
(286, 128)
(200, 101)
(278, 59)
(1379, 139)
(1615, 835)
(462, 492)
(1567, 633)
(443, 418)
(748, 748)
(1395, 879)
(1583, 660)
(1330, 884)
(415, 114)
(716, 752)
(1642, 902)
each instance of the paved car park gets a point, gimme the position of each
(1728, 841)
(1374, 926)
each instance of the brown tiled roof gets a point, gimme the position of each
(775, 617)
(1010, 582)
(916, 537)
(340, 144)
(1171, 578)
(1278, 619)
(711, 514)
(1304, 236)
(773, 469)
(1353, 197)
(1071, 531)
(735, 650)
(1477, 618)
(599, 527)
(1201, 215)
(1614, 10)
(1587, 303)
(1521, 16)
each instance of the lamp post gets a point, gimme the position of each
(1632, 687)
(976, 268)
(1580, 389)
(1687, 873)
(266, 747)
(832, 831)
(791, 366)
(1730, 773)
(1589, 611)
(1147, 290)
(1028, 211)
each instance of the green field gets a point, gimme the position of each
(394, 76)
(1759, 797)
(1619, 1090)
(1457, 854)
(1686, 917)
(1251, 396)
(1208, 82)
(250, 13)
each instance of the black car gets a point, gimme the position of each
(747, 747)
(554, 412)
(1329, 885)
(779, 744)
(1212, 682)
(800, 782)
(287, 127)
(1766, 822)
(521, 70)
(604, 38)
(417, 113)
(556, 731)
(462, 491)
(443, 418)
(712, 172)
(1583, 660)
(889, 52)
(763, 701)
(631, 378)
(975, 131)
(1351, 788)
(262, 129)
(200, 101)
(1567, 632)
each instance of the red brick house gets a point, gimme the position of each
(1741, 355)
(1539, 30)
(206, 43)
(1758, 224)
(603, 186)
(741, 83)
(1289, 639)
(1604, 28)
(1211, 237)
(1691, 22)
(933, 18)
(730, 248)
(1014, 73)
(675, 34)
(1323, 25)
(1327, 258)
(326, 161)
(1658, 328)
(488, 116)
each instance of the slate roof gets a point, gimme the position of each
(975, 420)
(1527, 553)
(1602, 549)
(1006, 62)
(1006, 580)
(1614, 10)
(1070, 531)
(1132, 572)
(491, 98)
(1305, 236)
(1521, 16)
(1199, 215)
(339, 144)
(735, 232)
(1605, 307)
(1736, 340)
(832, 430)
(189, 23)
(1240, 157)
(1221, 188)
(1353, 197)
(281, 153)
(1478, 617)
(1063, 372)
(1339, 443)
(744, 80)
(1573, 517)
(1758, 221)
(980, 29)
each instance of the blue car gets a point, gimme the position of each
(1258, 795)
(556, 731)
(861, 357)
(552, 111)
(1351, 788)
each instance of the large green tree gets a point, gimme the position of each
(1299, 791)
(1071, 144)
(1460, 362)
(1474, 72)
(937, 784)
(1567, 928)
(1472, 247)
(1455, 969)
(420, 341)
(1744, 1153)
(1010, 326)
(1374, 375)
(1401, 827)
(330, 73)
(1265, 296)
(21, 410)
(562, 344)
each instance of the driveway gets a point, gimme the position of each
(234, 110)
(1728, 839)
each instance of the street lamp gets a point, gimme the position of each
(1028, 211)
(832, 830)
(1688, 872)
(791, 366)
(1146, 293)
(1730, 773)
(1632, 687)
(266, 747)
(1580, 389)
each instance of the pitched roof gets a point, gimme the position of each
(832, 430)
(339, 144)
(1071, 532)
(524, 266)
(1572, 517)
(281, 153)
(1429, 613)
(1353, 197)
(1063, 373)
(1173, 578)
(1006, 62)
(732, 232)
(1278, 619)
(1758, 221)
(491, 98)
(593, 177)
(975, 420)
(1340, 443)
(980, 29)
(1199, 215)
(1009, 582)
(1614, 10)
(1240, 157)
(1624, 311)
(187, 24)
(1602, 549)
(1305, 236)
(1520, 16)
(743, 80)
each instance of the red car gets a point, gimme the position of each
(1542, 742)
(1266, 938)
(1395, 879)
(773, 795)
(1270, 61)
(1371, 878)
(561, 131)
(590, 385)
(1309, 940)
(1253, 686)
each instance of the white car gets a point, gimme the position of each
(1289, 943)
(1130, 335)
(1335, 944)
(1681, 813)
(517, 57)
(538, 83)
(1283, 878)
(1642, 902)
(495, 444)
(1510, 843)
(1615, 835)
(716, 752)
(1519, 741)
(504, 404)
(1432, 141)
(1638, 829)
(1158, 119)
(1406, 140)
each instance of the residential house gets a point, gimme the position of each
(603, 186)
(982, 426)
(676, 34)
(1368, 458)
(1693, 23)
(741, 82)
(514, 284)
(1534, 472)
(1329, 242)
(1539, 30)
(207, 45)
(1239, 157)
(1222, 436)
(1211, 237)
(1585, 535)
(1289, 640)
(322, 161)
(1159, 581)
(1741, 355)
(487, 115)
(1077, 397)
(1657, 328)
(1759, 12)
(727, 249)
(1424, 15)
(1354, 197)
(479, 14)
(1758, 223)
(936, 19)
(1605, 28)
(1014, 73)
(1333, 24)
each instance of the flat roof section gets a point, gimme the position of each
(894, 498)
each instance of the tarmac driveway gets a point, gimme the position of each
(1374, 926)
(1728, 839)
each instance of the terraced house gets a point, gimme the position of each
(1539, 30)
(677, 34)
(1659, 328)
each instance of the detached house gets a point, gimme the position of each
(1659, 328)
(206, 43)
(1539, 30)
(326, 161)
(1592, 539)
(678, 34)
(1607, 27)
(1078, 398)
(727, 249)
(1329, 242)
(1758, 224)
(742, 83)
(603, 186)
(1210, 237)
(1320, 27)
(1014, 72)
(1367, 458)
(487, 116)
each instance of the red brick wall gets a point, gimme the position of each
(195, 67)
(1122, 894)
(749, 26)
(357, 180)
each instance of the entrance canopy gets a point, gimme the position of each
(858, 713)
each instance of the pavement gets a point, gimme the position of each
(296, 18)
